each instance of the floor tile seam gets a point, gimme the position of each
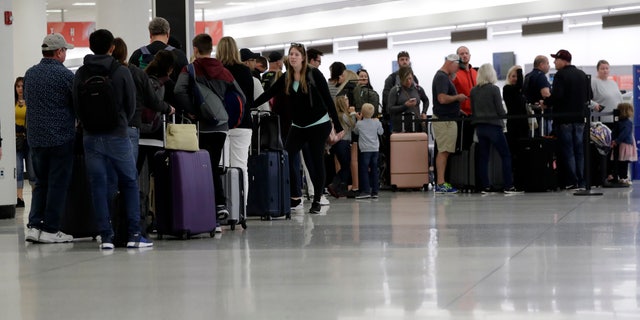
(512, 257)
(60, 267)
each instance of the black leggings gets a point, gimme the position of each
(316, 137)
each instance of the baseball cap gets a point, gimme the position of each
(246, 54)
(562, 54)
(55, 41)
(453, 57)
(275, 56)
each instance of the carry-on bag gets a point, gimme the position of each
(185, 201)
(409, 160)
(266, 131)
(269, 185)
(535, 165)
(184, 193)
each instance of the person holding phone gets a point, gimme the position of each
(406, 98)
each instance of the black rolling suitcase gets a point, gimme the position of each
(535, 165)
(269, 185)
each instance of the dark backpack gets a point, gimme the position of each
(146, 56)
(226, 95)
(151, 120)
(362, 95)
(97, 108)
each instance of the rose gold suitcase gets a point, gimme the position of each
(409, 160)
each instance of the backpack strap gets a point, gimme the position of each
(145, 50)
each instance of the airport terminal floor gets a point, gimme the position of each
(407, 255)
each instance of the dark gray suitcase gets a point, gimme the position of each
(233, 185)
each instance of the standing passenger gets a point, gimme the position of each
(486, 102)
(307, 95)
(51, 123)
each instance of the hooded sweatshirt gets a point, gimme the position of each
(124, 88)
(205, 69)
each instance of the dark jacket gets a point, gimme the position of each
(570, 93)
(243, 77)
(486, 102)
(391, 81)
(205, 69)
(154, 47)
(145, 96)
(124, 88)
(305, 110)
(396, 104)
(515, 101)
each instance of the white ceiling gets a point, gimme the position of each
(264, 22)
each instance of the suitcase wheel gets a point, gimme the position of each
(160, 236)
(232, 226)
(243, 223)
(265, 218)
(212, 234)
(288, 216)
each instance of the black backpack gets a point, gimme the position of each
(151, 120)
(97, 108)
(146, 56)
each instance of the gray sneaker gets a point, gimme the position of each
(58, 237)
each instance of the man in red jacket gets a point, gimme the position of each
(465, 78)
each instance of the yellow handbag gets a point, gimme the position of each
(181, 136)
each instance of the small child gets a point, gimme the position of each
(368, 130)
(624, 145)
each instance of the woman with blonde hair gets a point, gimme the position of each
(228, 54)
(487, 103)
(515, 101)
(342, 149)
(306, 93)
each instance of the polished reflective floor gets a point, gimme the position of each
(407, 255)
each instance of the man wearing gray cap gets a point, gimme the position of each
(51, 123)
(446, 105)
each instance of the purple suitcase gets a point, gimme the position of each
(185, 201)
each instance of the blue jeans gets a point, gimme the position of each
(22, 158)
(493, 135)
(368, 171)
(52, 167)
(105, 154)
(571, 136)
(342, 150)
(112, 176)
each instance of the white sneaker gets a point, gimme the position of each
(324, 201)
(58, 237)
(32, 235)
(295, 205)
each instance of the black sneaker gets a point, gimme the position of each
(315, 208)
(351, 194)
(19, 203)
(362, 196)
(222, 212)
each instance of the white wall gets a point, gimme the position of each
(587, 46)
